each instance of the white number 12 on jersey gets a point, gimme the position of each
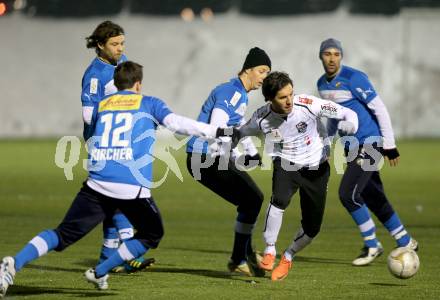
(107, 119)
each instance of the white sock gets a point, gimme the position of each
(300, 241)
(270, 249)
(274, 219)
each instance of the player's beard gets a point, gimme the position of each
(114, 59)
(331, 71)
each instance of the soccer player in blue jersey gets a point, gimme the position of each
(120, 173)
(108, 40)
(361, 189)
(211, 165)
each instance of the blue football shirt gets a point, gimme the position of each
(121, 149)
(97, 82)
(352, 88)
(231, 97)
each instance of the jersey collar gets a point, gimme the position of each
(278, 115)
(124, 92)
(100, 61)
(237, 83)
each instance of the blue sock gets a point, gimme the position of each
(397, 230)
(127, 251)
(124, 227)
(44, 242)
(366, 225)
(111, 243)
(126, 232)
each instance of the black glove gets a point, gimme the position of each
(231, 132)
(391, 153)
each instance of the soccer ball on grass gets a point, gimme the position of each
(403, 263)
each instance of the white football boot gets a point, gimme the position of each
(100, 283)
(7, 274)
(368, 255)
(413, 245)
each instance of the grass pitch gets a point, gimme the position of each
(191, 260)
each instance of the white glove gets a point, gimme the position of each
(346, 128)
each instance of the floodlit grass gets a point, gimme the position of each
(191, 260)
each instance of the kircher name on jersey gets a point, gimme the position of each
(111, 154)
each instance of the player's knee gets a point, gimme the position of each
(312, 230)
(161, 233)
(158, 233)
(248, 213)
(64, 238)
(250, 208)
(384, 212)
(150, 237)
(347, 197)
(280, 202)
(254, 198)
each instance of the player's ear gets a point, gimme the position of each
(100, 46)
(138, 86)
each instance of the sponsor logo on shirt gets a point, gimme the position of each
(235, 98)
(305, 100)
(307, 140)
(94, 86)
(301, 127)
(364, 93)
(121, 102)
(329, 109)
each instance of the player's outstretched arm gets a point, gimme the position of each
(348, 123)
(250, 128)
(187, 126)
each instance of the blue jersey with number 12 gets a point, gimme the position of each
(121, 149)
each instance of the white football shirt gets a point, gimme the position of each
(297, 136)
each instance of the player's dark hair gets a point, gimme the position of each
(127, 74)
(102, 33)
(274, 82)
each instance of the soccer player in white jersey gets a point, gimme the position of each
(290, 125)
(119, 177)
(361, 188)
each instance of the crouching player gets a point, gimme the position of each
(292, 138)
(121, 153)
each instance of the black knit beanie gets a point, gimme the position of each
(256, 57)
